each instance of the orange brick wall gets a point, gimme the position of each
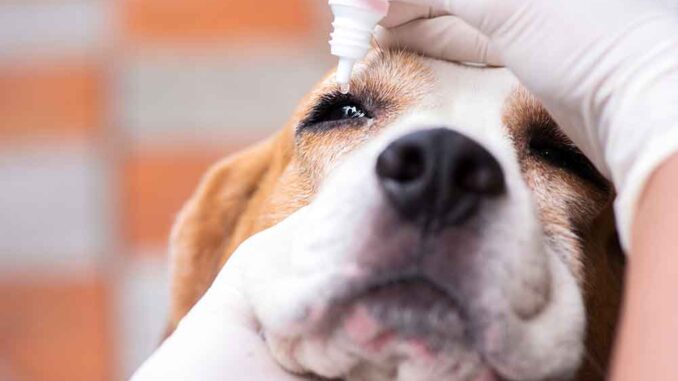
(205, 20)
(109, 115)
(50, 99)
(56, 329)
(148, 207)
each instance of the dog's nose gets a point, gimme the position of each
(438, 176)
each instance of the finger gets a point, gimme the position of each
(402, 12)
(446, 37)
(486, 15)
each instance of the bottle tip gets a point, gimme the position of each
(344, 88)
(344, 70)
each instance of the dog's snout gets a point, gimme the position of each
(438, 176)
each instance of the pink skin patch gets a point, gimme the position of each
(420, 350)
(379, 342)
(364, 330)
(360, 326)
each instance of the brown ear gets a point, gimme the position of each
(208, 226)
(604, 265)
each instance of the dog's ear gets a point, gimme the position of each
(604, 266)
(207, 230)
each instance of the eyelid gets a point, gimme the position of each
(575, 161)
(327, 102)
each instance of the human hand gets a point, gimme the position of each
(607, 70)
(219, 339)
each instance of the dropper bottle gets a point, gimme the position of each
(354, 23)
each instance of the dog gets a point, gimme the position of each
(455, 232)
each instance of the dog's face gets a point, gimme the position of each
(453, 232)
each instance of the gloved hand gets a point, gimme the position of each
(606, 70)
(219, 339)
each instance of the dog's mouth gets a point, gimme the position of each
(413, 307)
(400, 297)
(411, 317)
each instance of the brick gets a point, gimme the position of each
(214, 20)
(55, 329)
(50, 100)
(156, 184)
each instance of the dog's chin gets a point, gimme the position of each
(411, 308)
(407, 329)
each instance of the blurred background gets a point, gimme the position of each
(110, 110)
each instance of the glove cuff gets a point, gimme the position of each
(655, 153)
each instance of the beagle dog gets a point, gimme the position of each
(455, 232)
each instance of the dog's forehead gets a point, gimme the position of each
(469, 99)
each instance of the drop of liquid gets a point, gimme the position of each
(344, 88)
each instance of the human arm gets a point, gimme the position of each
(647, 346)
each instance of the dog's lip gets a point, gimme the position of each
(387, 296)
(384, 303)
(402, 279)
(368, 284)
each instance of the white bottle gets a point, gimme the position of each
(354, 23)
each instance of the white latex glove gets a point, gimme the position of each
(606, 70)
(219, 339)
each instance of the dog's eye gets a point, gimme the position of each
(335, 109)
(565, 156)
(350, 111)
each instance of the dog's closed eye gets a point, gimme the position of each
(552, 147)
(333, 110)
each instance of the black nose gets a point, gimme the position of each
(438, 177)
